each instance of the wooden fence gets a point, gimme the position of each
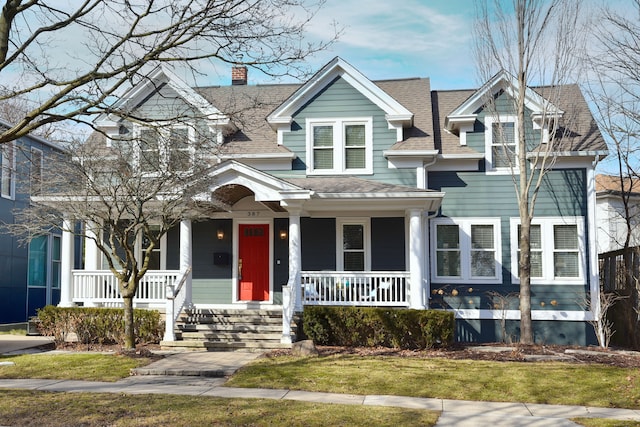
(620, 274)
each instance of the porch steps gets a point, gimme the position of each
(228, 330)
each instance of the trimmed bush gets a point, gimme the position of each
(370, 327)
(98, 325)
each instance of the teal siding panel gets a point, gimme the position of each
(545, 332)
(212, 291)
(340, 100)
(475, 194)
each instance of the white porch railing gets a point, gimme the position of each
(370, 288)
(100, 287)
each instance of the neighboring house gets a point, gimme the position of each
(344, 191)
(29, 273)
(610, 212)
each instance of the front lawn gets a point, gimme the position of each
(557, 383)
(33, 408)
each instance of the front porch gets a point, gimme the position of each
(169, 291)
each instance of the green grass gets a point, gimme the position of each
(72, 366)
(548, 382)
(602, 422)
(30, 408)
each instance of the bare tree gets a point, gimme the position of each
(69, 59)
(533, 43)
(614, 59)
(131, 192)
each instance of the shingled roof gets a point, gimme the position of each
(578, 130)
(248, 106)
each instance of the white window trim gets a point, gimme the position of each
(163, 151)
(488, 144)
(8, 166)
(366, 223)
(546, 231)
(339, 167)
(464, 227)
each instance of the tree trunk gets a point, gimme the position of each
(129, 332)
(524, 269)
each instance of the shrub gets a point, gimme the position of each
(398, 328)
(97, 325)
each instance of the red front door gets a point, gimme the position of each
(253, 262)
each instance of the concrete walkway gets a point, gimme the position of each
(203, 374)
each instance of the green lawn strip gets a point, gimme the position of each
(34, 408)
(605, 422)
(71, 366)
(544, 382)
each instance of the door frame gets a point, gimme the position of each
(236, 252)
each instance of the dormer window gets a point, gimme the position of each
(163, 148)
(339, 146)
(501, 146)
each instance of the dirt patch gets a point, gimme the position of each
(497, 353)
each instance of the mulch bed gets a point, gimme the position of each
(492, 352)
(498, 353)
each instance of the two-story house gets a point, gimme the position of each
(345, 191)
(29, 273)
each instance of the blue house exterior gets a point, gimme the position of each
(29, 273)
(345, 191)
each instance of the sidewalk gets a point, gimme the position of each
(203, 374)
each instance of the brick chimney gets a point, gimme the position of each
(239, 75)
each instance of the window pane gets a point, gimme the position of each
(504, 133)
(503, 148)
(535, 237)
(179, 154)
(38, 261)
(565, 237)
(323, 159)
(448, 263)
(448, 237)
(355, 158)
(483, 264)
(353, 236)
(354, 261)
(149, 150)
(536, 264)
(55, 251)
(565, 264)
(354, 135)
(482, 236)
(323, 136)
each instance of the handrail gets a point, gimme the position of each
(182, 281)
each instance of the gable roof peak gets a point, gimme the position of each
(464, 114)
(159, 75)
(396, 113)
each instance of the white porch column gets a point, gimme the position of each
(91, 252)
(295, 260)
(66, 277)
(416, 259)
(186, 258)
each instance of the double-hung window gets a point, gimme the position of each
(339, 146)
(466, 250)
(354, 252)
(164, 148)
(8, 172)
(501, 146)
(557, 249)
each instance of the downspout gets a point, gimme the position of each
(427, 228)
